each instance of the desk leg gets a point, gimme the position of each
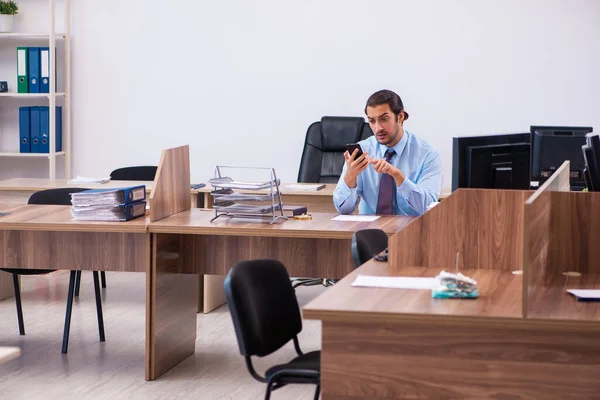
(6, 285)
(171, 303)
(213, 293)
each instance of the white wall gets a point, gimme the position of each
(240, 81)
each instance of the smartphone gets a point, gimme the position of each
(350, 147)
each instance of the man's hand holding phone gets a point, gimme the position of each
(356, 162)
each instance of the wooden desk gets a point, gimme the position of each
(402, 344)
(316, 248)
(315, 201)
(18, 190)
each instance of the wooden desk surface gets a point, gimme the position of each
(58, 218)
(197, 221)
(500, 297)
(550, 300)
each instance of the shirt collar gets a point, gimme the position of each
(399, 147)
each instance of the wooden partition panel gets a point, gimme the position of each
(171, 304)
(485, 227)
(574, 233)
(171, 189)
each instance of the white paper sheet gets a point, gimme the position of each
(585, 293)
(304, 186)
(356, 218)
(395, 282)
(85, 179)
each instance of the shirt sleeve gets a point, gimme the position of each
(345, 198)
(420, 194)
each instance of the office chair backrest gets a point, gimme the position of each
(59, 197)
(323, 155)
(263, 306)
(366, 243)
(141, 173)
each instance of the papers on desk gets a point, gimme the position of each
(85, 179)
(304, 186)
(585, 294)
(395, 282)
(356, 218)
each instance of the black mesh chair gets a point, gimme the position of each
(366, 243)
(266, 316)
(55, 197)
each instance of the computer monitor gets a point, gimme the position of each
(551, 146)
(591, 157)
(491, 162)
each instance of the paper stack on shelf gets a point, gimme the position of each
(118, 204)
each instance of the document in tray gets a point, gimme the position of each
(85, 179)
(395, 282)
(585, 294)
(355, 218)
(304, 186)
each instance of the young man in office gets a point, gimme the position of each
(397, 173)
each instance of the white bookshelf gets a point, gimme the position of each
(23, 39)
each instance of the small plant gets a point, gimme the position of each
(8, 7)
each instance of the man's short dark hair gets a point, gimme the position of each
(387, 97)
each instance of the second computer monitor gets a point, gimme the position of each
(491, 162)
(551, 146)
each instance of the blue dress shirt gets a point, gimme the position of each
(421, 165)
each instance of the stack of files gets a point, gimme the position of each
(33, 70)
(117, 204)
(34, 129)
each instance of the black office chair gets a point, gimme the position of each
(266, 316)
(55, 197)
(323, 155)
(323, 159)
(140, 173)
(366, 243)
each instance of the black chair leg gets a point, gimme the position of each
(268, 393)
(99, 307)
(103, 279)
(318, 392)
(65, 343)
(77, 283)
(19, 305)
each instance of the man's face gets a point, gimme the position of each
(384, 124)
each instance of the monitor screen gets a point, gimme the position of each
(462, 150)
(499, 166)
(591, 157)
(551, 146)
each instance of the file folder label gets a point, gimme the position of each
(22, 75)
(45, 70)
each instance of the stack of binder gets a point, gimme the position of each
(118, 204)
(33, 70)
(34, 129)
